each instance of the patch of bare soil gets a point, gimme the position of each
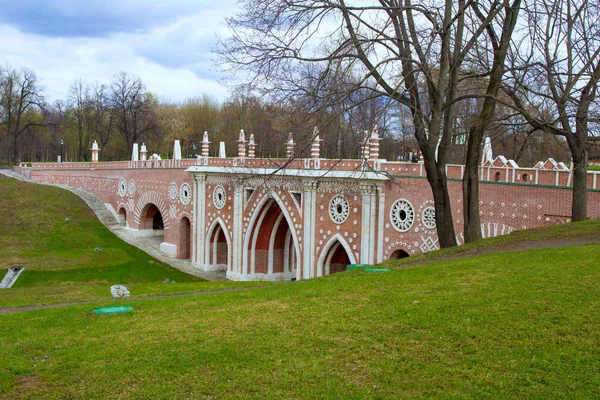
(514, 246)
(28, 383)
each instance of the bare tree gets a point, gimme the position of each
(555, 85)
(411, 53)
(103, 116)
(20, 94)
(500, 42)
(79, 102)
(132, 107)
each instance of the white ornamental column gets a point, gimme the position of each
(367, 231)
(200, 212)
(238, 231)
(381, 219)
(308, 240)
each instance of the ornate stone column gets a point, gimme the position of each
(200, 219)
(308, 238)
(380, 224)
(368, 227)
(238, 232)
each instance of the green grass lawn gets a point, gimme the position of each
(54, 234)
(512, 325)
(515, 325)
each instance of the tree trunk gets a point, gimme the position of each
(443, 212)
(477, 130)
(470, 186)
(579, 204)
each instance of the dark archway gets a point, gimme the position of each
(398, 254)
(271, 249)
(122, 216)
(218, 250)
(185, 239)
(339, 260)
(152, 219)
(335, 257)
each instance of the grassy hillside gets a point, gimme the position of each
(517, 325)
(508, 325)
(55, 235)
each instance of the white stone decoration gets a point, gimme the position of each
(122, 187)
(11, 276)
(119, 291)
(131, 187)
(219, 197)
(339, 209)
(173, 211)
(185, 194)
(173, 191)
(402, 215)
(428, 217)
(428, 244)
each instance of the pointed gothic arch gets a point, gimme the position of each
(218, 247)
(333, 256)
(271, 244)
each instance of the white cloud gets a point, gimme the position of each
(172, 58)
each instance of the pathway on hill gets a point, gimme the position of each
(10, 310)
(107, 218)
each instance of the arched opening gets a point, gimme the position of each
(498, 176)
(339, 260)
(122, 216)
(271, 250)
(398, 254)
(152, 220)
(185, 235)
(217, 255)
(336, 256)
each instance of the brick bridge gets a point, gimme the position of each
(282, 219)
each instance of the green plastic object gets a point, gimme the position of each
(112, 310)
(354, 266)
(378, 269)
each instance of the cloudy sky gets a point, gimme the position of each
(166, 43)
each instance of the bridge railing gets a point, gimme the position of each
(500, 174)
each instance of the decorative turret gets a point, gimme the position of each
(289, 146)
(95, 151)
(374, 144)
(135, 155)
(251, 147)
(365, 146)
(315, 148)
(176, 150)
(143, 152)
(242, 145)
(205, 144)
(487, 155)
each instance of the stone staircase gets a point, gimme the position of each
(103, 214)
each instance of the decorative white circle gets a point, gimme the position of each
(428, 217)
(131, 187)
(173, 191)
(185, 194)
(402, 215)
(219, 197)
(338, 209)
(122, 187)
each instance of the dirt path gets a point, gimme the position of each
(10, 310)
(513, 246)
